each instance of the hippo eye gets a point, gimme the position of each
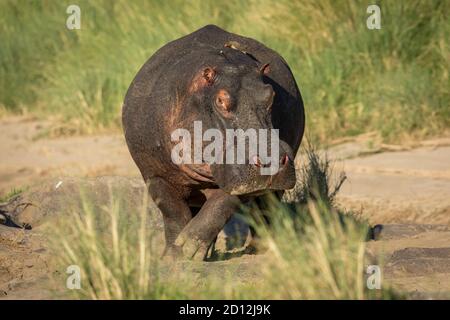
(223, 100)
(209, 74)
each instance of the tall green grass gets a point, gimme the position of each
(394, 81)
(310, 255)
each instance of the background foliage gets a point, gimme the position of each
(394, 81)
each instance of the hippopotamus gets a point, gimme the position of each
(222, 81)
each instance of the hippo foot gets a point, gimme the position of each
(172, 253)
(193, 248)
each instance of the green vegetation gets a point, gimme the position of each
(394, 81)
(313, 252)
(120, 260)
(315, 179)
(11, 194)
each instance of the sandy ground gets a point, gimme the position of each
(28, 159)
(408, 188)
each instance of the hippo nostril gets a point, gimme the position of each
(256, 161)
(285, 160)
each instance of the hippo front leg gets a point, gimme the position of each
(197, 236)
(175, 211)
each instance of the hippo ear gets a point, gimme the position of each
(265, 69)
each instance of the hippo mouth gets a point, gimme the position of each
(201, 173)
(243, 183)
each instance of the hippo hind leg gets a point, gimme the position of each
(175, 211)
(197, 237)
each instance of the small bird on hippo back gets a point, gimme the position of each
(232, 86)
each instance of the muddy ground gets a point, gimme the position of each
(407, 189)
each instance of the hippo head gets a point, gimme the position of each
(231, 94)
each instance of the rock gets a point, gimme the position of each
(410, 186)
(419, 261)
(415, 259)
(399, 231)
(44, 201)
